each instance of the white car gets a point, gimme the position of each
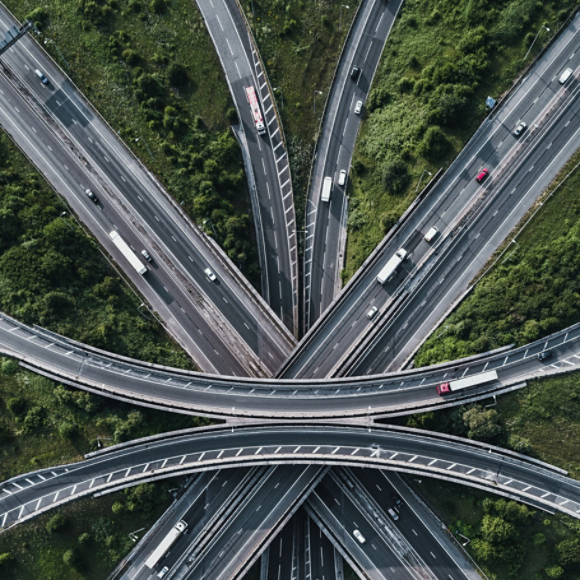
(394, 515)
(163, 572)
(359, 537)
(210, 275)
(371, 313)
(342, 177)
(521, 127)
(358, 107)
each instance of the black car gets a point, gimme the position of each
(92, 196)
(398, 501)
(544, 355)
(355, 73)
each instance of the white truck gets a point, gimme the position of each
(391, 266)
(165, 544)
(472, 381)
(326, 189)
(124, 248)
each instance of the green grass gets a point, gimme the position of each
(39, 554)
(300, 42)
(441, 61)
(130, 62)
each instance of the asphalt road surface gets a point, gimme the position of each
(399, 449)
(326, 222)
(550, 110)
(231, 330)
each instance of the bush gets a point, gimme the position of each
(10, 366)
(5, 432)
(158, 6)
(84, 538)
(406, 85)
(67, 430)
(554, 571)
(482, 423)
(131, 57)
(452, 109)
(569, 552)
(519, 444)
(71, 558)
(232, 116)
(17, 406)
(6, 558)
(396, 177)
(57, 523)
(434, 144)
(177, 75)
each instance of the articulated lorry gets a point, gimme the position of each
(391, 266)
(472, 381)
(165, 544)
(124, 248)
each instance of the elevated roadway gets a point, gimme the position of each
(480, 215)
(325, 241)
(224, 325)
(170, 389)
(399, 449)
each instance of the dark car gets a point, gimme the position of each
(544, 355)
(355, 73)
(398, 501)
(91, 195)
(482, 175)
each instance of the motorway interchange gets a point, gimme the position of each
(294, 471)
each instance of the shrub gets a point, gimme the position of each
(396, 176)
(131, 57)
(6, 558)
(9, 366)
(232, 116)
(17, 406)
(57, 523)
(452, 109)
(482, 423)
(434, 144)
(554, 571)
(177, 75)
(406, 85)
(39, 16)
(71, 558)
(158, 6)
(84, 538)
(67, 430)
(5, 432)
(519, 444)
(569, 551)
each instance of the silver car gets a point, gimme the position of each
(210, 275)
(358, 107)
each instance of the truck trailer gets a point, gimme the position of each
(124, 248)
(472, 381)
(391, 266)
(165, 544)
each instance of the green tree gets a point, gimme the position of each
(434, 144)
(569, 551)
(57, 523)
(396, 177)
(481, 423)
(177, 75)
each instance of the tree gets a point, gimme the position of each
(434, 144)
(396, 176)
(452, 109)
(56, 523)
(482, 423)
(71, 558)
(569, 551)
(177, 75)
(158, 6)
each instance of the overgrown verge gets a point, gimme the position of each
(442, 60)
(300, 42)
(151, 70)
(84, 540)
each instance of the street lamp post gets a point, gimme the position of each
(421, 179)
(147, 146)
(340, 17)
(535, 38)
(320, 93)
(211, 224)
(281, 96)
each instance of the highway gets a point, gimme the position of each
(399, 449)
(270, 180)
(519, 166)
(224, 325)
(325, 241)
(170, 389)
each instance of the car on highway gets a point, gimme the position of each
(146, 255)
(361, 539)
(398, 501)
(520, 128)
(92, 196)
(358, 107)
(371, 313)
(394, 515)
(163, 572)
(355, 73)
(342, 177)
(431, 234)
(210, 275)
(482, 175)
(41, 76)
(545, 354)
(565, 75)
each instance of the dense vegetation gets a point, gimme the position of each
(508, 540)
(300, 41)
(443, 58)
(151, 70)
(83, 540)
(533, 291)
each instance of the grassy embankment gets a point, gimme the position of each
(529, 293)
(300, 43)
(151, 69)
(442, 60)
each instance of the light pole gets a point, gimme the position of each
(340, 17)
(145, 143)
(536, 37)
(211, 224)
(421, 179)
(320, 93)
(281, 96)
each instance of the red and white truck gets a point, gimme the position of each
(472, 381)
(256, 112)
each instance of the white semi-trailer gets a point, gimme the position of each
(391, 266)
(471, 381)
(165, 544)
(124, 248)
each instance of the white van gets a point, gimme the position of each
(326, 189)
(431, 234)
(565, 75)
